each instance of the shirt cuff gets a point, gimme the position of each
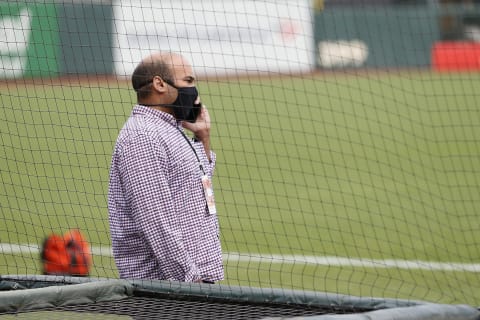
(193, 275)
(203, 156)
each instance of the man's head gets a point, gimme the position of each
(166, 81)
(146, 70)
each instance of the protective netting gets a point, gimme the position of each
(54, 297)
(151, 308)
(346, 135)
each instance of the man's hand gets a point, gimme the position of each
(201, 129)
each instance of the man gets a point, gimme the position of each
(162, 213)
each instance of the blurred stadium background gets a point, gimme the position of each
(346, 134)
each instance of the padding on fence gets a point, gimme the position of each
(56, 297)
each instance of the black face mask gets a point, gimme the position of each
(184, 107)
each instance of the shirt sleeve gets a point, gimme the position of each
(143, 168)
(209, 166)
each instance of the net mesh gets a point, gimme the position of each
(150, 308)
(345, 133)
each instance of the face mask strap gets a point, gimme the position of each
(143, 85)
(170, 83)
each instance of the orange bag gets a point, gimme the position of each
(67, 255)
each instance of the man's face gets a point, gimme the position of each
(182, 93)
(182, 75)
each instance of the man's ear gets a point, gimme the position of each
(159, 84)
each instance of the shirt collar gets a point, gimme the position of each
(156, 114)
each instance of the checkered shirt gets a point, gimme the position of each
(159, 221)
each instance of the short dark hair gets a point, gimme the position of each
(143, 74)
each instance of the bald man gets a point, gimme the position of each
(162, 211)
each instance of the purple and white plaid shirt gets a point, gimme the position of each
(159, 221)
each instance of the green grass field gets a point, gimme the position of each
(373, 165)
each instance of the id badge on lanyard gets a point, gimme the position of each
(208, 191)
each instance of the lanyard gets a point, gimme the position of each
(193, 149)
(206, 181)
